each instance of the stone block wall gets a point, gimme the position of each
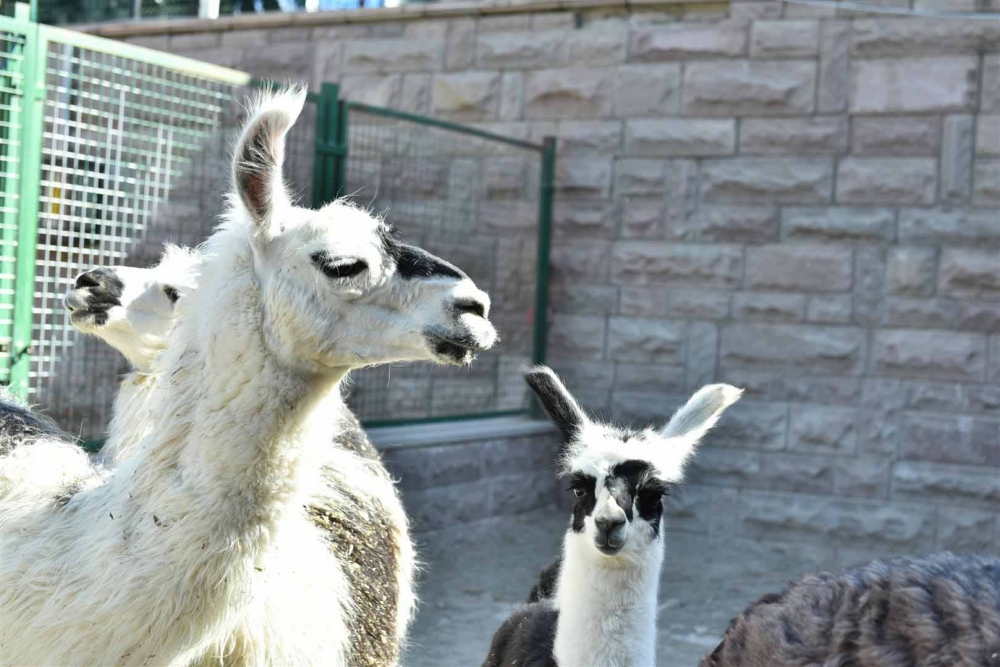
(801, 201)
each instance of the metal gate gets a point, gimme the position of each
(95, 138)
(474, 197)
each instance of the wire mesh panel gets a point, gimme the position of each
(126, 141)
(473, 201)
(12, 45)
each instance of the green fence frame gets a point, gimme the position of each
(329, 176)
(28, 144)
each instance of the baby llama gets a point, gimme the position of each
(197, 549)
(603, 613)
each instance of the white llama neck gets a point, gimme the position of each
(607, 616)
(232, 425)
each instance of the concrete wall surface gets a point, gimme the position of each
(801, 201)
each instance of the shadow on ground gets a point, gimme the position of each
(475, 575)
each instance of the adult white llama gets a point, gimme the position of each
(197, 549)
(134, 311)
(603, 613)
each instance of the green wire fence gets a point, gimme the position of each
(108, 150)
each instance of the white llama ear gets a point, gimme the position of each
(260, 155)
(565, 412)
(701, 412)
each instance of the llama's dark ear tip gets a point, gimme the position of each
(536, 374)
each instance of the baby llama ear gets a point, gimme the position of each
(565, 412)
(701, 412)
(260, 155)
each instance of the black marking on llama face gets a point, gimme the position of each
(585, 494)
(415, 263)
(172, 293)
(634, 484)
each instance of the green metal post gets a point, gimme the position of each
(340, 156)
(27, 232)
(546, 189)
(328, 171)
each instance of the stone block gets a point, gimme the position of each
(938, 85)
(950, 439)
(874, 225)
(735, 224)
(642, 218)
(912, 271)
(649, 378)
(553, 21)
(800, 349)
(578, 219)
(948, 484)
(923, 313)
(683, 183)
(688, 41)
(929, 354)
(680, 137)
(429, 467)
(511, 96)
(376, 90)
(640, 177)
(865, 476)
(752, 425)
(416, 93)
(194, 41)
(697, 304)
(987, 179)
(887, 38)
(806, 268)
(988, 135)
(994, 371)
(746, 88)
(978, 316)
(577, 337)
(392, 55)
(767, 180)
(990, 96)
(426, 30)
(637, 264)
(603, 46)
(969, 273)
(703, 510)
(584, 299)
(516, 494)
(571, 93)
(529, 50)
(784, 39)
(443, 507)
(724, 467)
(795, 472)
(279, 62)
(583, 177)
(829, 309)
(793, 136)
(467, 96)
(589, 136)
(580, 262)
(647, 90)
(950, 227)
(968, 531)
(902, 136)
(703, 346)
(823, 430)
(769, 306)
(886, 181)
(870, 525)
(956, 158)
(460, 44)
(504, 23)
(646, 341)
(834, 67)
(327, 60)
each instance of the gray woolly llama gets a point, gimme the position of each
(939, 611)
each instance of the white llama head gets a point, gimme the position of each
(619, 476)
(132, 309)
(337, 288)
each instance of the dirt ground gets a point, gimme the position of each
(474, 576)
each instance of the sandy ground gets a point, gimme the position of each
(474, 576)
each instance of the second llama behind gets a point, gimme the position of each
(603, 610)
